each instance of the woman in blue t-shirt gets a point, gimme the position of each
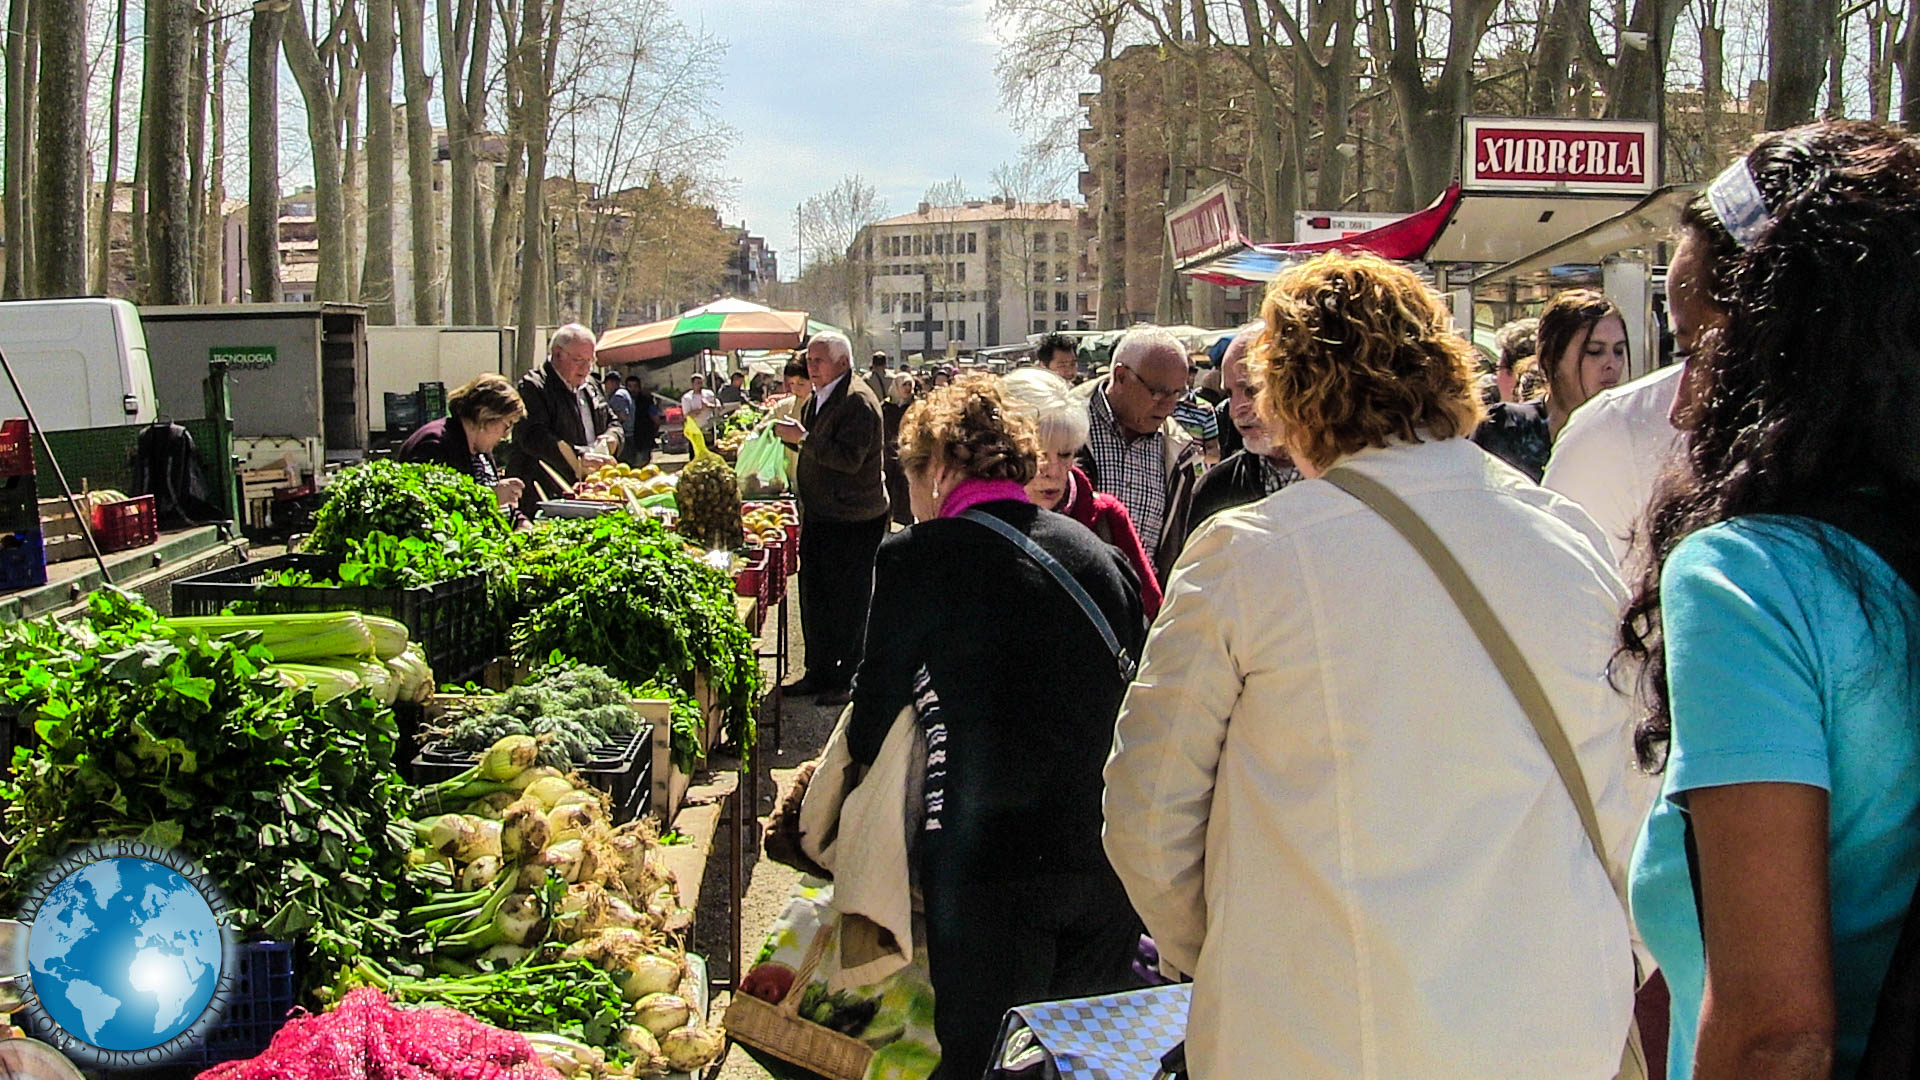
(1777, 637)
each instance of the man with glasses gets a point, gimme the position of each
(1135, 451)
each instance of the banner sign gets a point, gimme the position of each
(1318, 226)
(1548, 156)
(1205, 226)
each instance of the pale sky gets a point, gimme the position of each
(899, 91)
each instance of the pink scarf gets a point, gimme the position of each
(973, 491)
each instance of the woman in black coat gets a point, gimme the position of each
(1017, 693)
(479, 416)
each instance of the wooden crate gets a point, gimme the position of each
(669, 784)
(66, 534)
(711, 707)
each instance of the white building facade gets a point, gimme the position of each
(956, 279)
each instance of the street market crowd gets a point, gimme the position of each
(1419, 717)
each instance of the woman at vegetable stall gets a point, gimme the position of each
(479, 415)
(1017, 693)
(1777, 633)
(1326, 802)
(1060, 486)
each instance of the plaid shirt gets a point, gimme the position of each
(1133, 468)
(1274, 477)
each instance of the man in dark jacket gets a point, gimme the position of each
(1135, 450)
(567, 418)
(1250, 474)
(843, 499)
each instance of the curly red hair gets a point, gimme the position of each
(1357, 352)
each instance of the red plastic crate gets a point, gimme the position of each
(16, 448)
(133, 523)
(751, 578)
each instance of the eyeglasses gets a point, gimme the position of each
(1152, 391)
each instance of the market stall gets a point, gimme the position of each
(1540, 205)
(317, 732)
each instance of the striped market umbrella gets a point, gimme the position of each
(723, 326)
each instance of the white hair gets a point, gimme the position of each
(570, 334)
(836, 343)
(1143, 341)
(1061, 417)
(1242, 342)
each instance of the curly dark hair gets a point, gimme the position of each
(1809, 393)
(1044, 349)
(1357, 352)
(971, 427)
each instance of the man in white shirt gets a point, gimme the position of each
(700, 406)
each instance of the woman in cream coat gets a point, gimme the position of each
(1324, 800)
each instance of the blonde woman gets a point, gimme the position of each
(1325, 801)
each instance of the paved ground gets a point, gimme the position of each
(769, 885)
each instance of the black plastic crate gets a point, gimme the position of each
(451, 620)
(403, 413)
(626, 774)
(433, 401)
(19, 504)
(263, 994)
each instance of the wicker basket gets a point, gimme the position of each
(780, 1031)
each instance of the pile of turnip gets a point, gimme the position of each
(535, 882)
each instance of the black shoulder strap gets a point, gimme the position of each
(1067, 582)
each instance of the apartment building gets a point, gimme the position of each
(956, 279)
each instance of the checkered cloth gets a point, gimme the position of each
(1117, 1037)
(1132, 468)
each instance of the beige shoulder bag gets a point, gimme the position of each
(1513, 668)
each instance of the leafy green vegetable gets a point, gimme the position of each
(571, 998)
(402, 499)
(624, 594)
(293, 807)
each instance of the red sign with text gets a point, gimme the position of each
(1560, 156)
(1204, 226)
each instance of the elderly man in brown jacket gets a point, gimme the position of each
(843, 499)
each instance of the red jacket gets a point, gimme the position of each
(1107, 516)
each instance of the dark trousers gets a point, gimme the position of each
(993, 945)
(897, 493)
(836, 588)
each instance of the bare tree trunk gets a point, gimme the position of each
(1339, 19)
(1883, 30)
(537, 45)
(169, 248)
(1836, 74)
(480, 249)
(197, 79)
(501, 247)
(455, 34)
(348, 76)
(19, 148)
(376, 281)
(263, 156)
(1552, 52)
(427, 309)
(64, 168)
(212, 255)
(103, 236)
(1712, 78)
(1263, 164)
(323, 133)
(1799, 38)
(1113, 279)
(1168, 308)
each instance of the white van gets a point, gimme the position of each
(82, 363)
